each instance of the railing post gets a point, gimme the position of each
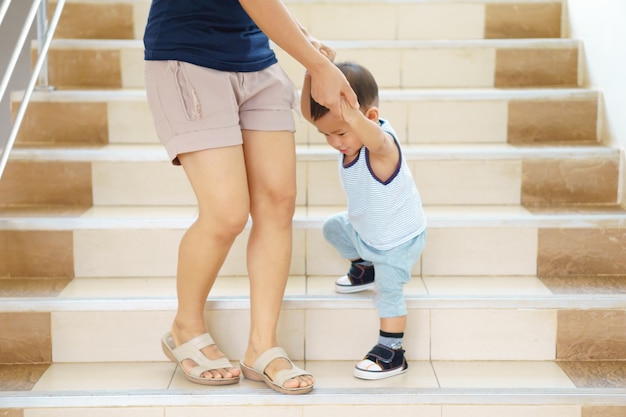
(42, 31)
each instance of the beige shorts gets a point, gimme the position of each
(196, 108)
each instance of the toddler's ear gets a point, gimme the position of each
(372, 113)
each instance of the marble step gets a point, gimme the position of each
(436, 116)
(395, 64)
(429, 389)
(486, 318)
(345, 19)
(119, 241)
(445, 174)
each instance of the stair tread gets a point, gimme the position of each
(231, 292)
(427, 382)
(174, 217)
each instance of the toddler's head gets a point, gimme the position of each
(362, 82)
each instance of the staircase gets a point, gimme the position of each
(517, 307)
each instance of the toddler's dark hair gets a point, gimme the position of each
(362, 82)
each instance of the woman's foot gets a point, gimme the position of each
(210, 352)
(278, 372)
(277, 365)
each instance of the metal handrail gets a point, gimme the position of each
(39, 7)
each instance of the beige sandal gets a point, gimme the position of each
(257, 372)
(192, 350)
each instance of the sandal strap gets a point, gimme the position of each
(281, 376)
(192, 350)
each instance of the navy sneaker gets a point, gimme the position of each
(381, 362)
(360, 277)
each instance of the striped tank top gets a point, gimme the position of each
(385, 214)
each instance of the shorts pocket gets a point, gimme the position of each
(187, 94)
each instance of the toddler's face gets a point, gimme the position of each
(338, 134)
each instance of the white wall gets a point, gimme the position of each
(601, 26)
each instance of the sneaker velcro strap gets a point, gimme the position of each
(386, 355)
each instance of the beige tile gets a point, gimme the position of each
(523, 20)
(362, 337)
(604, 411)
(106, 376)
(11, 412)
(385, 64)
(489, 334)
(233, 410)
(63, 123)
(121, 252)
(131, 122)
(46, 183)
(496, 374)
(326, 286)
(448, 67)
(396, 114)
(36, 254)
(468, 182)
(132, 68)
(582, 252)
(347, 21)
(485, 286)
(597, 374)
(140, 183)
(140, 18)
(95, 412)
(104, 287)
(458, 122)
(324, 187)
(490, 251)
(109, 336)
(81, 68)
(510, 411)
(571, 181)
(17, 377)
(586, 284)
(432, 20)
(321, 257)
(591, 335)
(339, 374)
(536, 67)
(95, 21)
(25, 338)
(32, 287)
(567, 121)
(373, 410)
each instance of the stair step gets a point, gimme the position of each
(417, 64)
(142, 241)
(345, 19)
(445, 174)
(517, 116)
(532, 389)
(487, 319)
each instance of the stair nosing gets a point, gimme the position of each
(320, 396)
(386, 94)
(528, 43)
(322, 152)
(589, 301)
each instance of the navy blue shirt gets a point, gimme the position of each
(216, 34)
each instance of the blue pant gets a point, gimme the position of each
(393, 266)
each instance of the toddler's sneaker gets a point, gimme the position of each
(360, 277)
(381, 362)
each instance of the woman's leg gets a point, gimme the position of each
(270, 162)
(218, 179)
